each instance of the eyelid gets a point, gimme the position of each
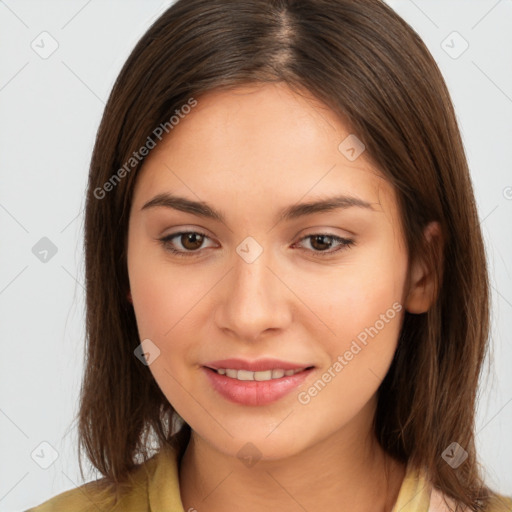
(188, 228)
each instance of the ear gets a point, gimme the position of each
(422, 280)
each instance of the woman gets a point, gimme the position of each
(287, 296)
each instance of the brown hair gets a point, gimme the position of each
(366, 64)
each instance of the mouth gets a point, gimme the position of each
(260, 376)
(255, 383)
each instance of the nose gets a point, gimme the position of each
(254, 299)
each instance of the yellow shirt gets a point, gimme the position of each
(157, 490)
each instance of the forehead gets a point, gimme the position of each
(259, 141)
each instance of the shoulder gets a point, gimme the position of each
(501, 504)
(439, 502)
(86, 498)
(99, 495)
(418, 494)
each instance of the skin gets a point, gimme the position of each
(248, 153)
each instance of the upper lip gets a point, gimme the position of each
(255, 366)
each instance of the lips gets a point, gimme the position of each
(258, 382)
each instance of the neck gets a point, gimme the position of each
(347, 471)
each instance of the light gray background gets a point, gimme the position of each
(50, 110)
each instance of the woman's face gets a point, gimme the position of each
(252, 283)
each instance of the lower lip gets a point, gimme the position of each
(251, 392)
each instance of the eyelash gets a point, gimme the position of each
(345, 243)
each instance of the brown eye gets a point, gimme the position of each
(191, 241)
(184, 243)
(321, 243)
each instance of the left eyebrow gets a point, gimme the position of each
(294, 211)
(325, 205)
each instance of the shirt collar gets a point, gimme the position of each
(414, 494)
(164, 487)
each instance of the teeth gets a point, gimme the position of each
(259, 376)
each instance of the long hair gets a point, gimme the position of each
(369, 66)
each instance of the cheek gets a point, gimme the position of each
(162, 297)
(366, 317)
(165, 303)
(361, 303)
(352, 297)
